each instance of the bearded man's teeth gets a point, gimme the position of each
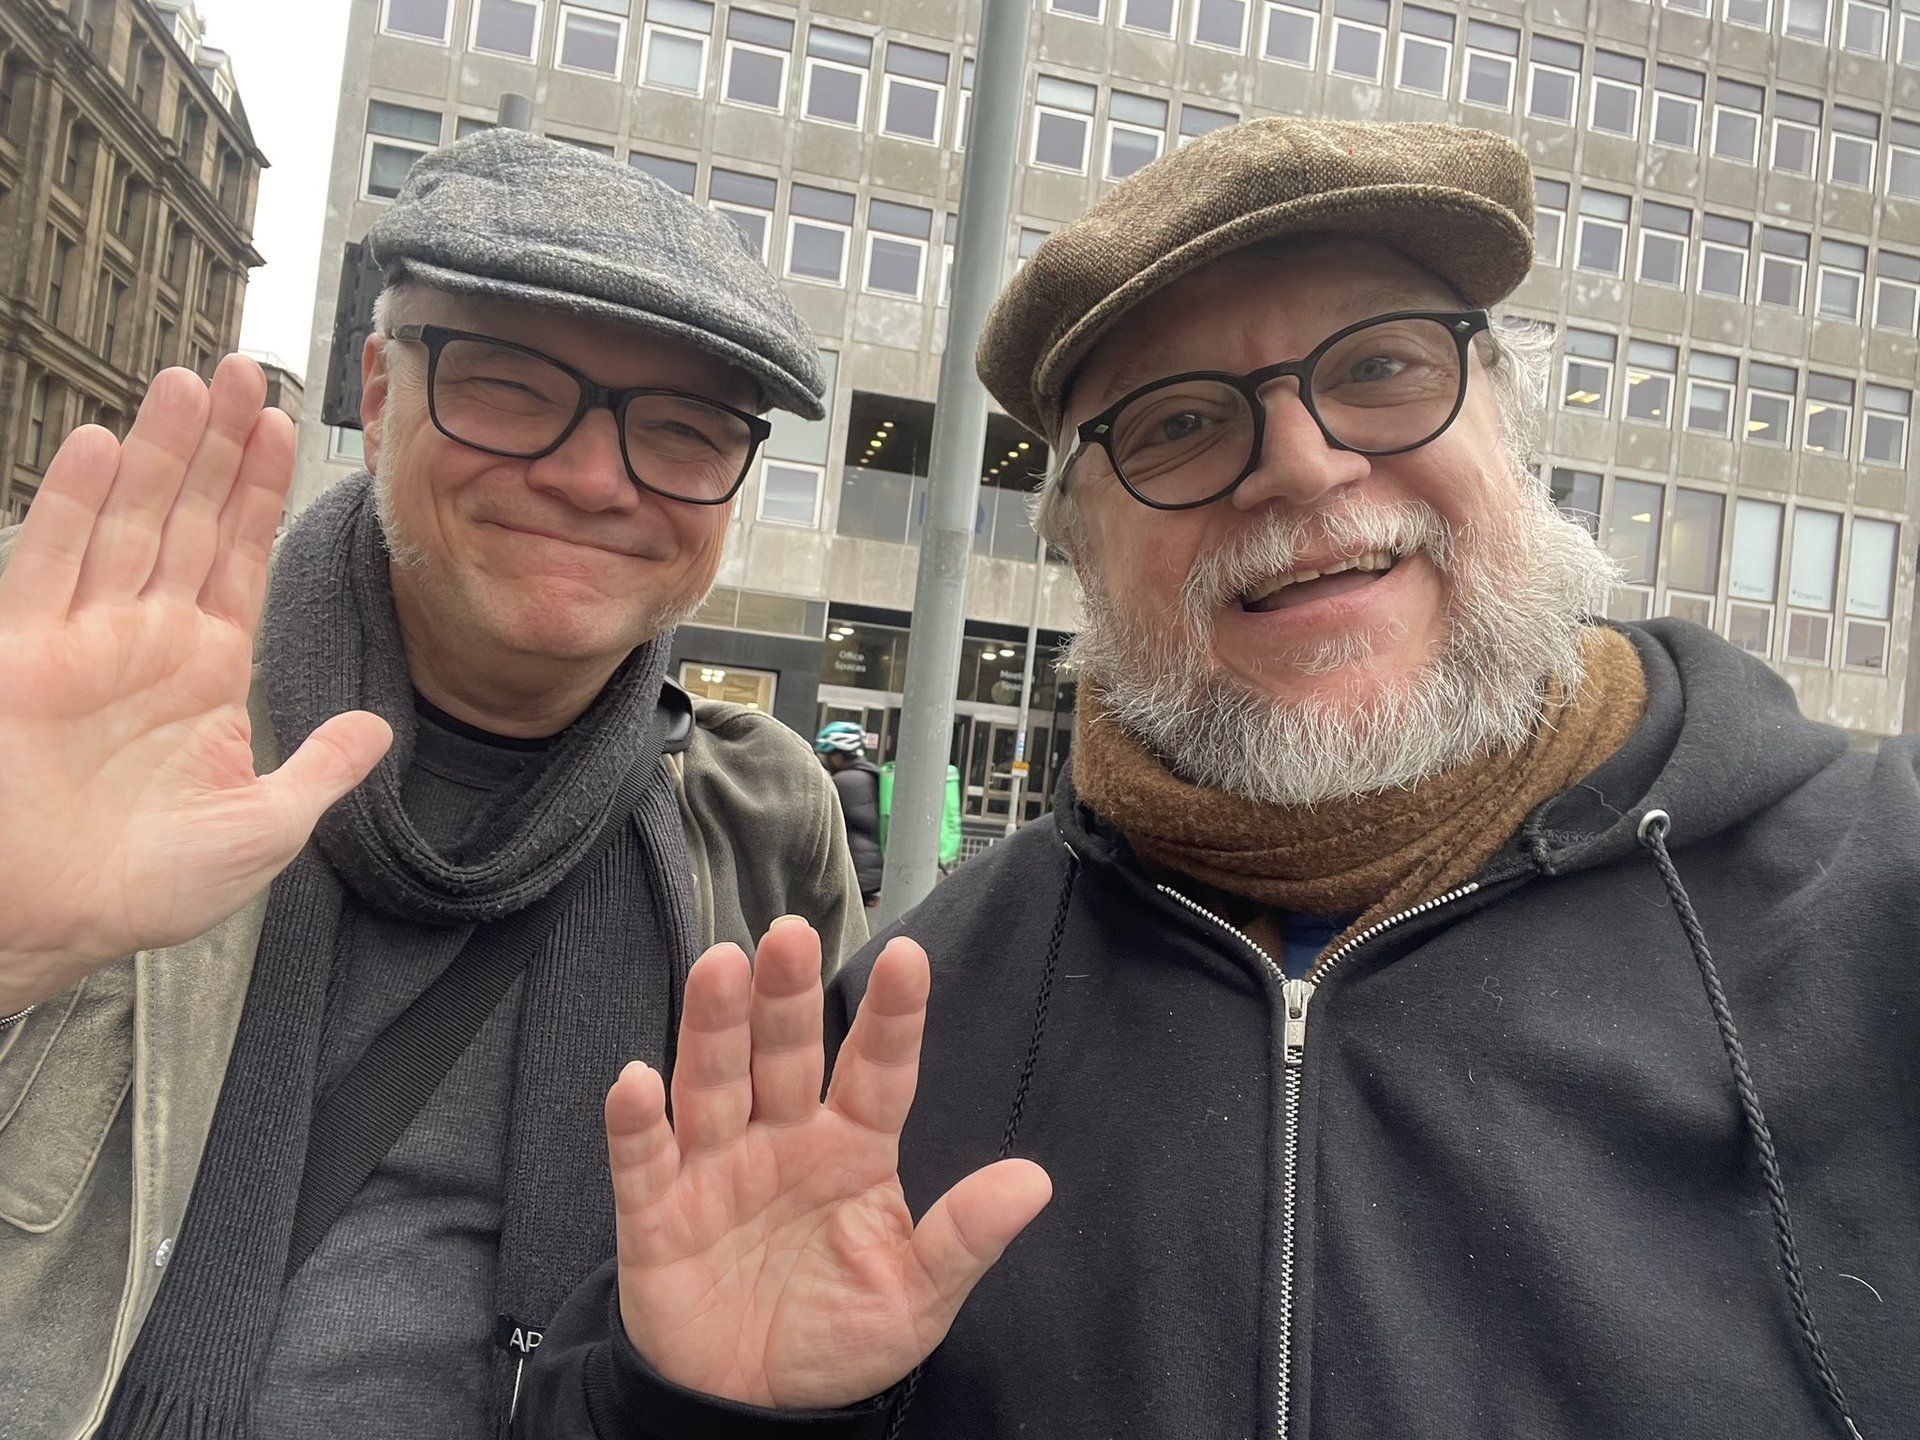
(1377, 561)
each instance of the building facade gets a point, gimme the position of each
(128, 178)
(286, 391)
(1729, 255)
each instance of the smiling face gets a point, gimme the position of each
(1338, 623)
(532, 569)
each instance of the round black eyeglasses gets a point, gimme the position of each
(506, 399)
(1379, 387)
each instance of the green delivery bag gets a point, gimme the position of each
(949, 813)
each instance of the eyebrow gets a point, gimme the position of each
(1366, 301)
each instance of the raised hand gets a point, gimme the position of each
(130, 814)
(766, 1251)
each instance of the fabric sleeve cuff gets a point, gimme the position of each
(631, 1401)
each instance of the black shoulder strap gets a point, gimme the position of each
(357, 1124)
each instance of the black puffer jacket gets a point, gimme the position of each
(858, 785)
(1503, 1183)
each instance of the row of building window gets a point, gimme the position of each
(81, 148)
(1064, 118)
(1839, 417)
(1771, 582)
(62, 254)
(1715, 255)
(757, 49)
(1680, 111)
(1863, 27)
(677, 42)
(812, 238)
(591, 34)
(1486, 70)
(143, 78)
(819, 230)
(81, 145)
(1289, 29)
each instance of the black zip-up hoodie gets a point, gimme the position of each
(1537, 1186)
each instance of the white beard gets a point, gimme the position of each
(1523, 585)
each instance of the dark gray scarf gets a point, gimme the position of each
(603, 990)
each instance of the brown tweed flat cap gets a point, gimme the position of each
(1458, 201)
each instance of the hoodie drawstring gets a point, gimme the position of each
(1042, 1001)
(1652, 834)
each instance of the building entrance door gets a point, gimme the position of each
(983, 749)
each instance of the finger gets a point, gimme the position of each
(192, 531)
(641, 1149)
(153, 463)
(879, 1064)
(330, 762)
(236, 577)
(965, 1232)
(789, 1058)
(40, 578)
(712, 1071)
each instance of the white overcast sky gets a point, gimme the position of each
(286, 63)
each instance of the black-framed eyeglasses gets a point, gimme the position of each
(1382, 386)
(507, 399)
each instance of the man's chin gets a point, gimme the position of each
(571, 635)
(1345, 671)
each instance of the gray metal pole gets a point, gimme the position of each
(959, 438)
(516, 111)
(1020, 763)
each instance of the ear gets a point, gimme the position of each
(373, 395)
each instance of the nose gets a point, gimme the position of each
(1296, 463)
(587, 471)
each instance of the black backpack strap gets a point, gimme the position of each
(357, 1124)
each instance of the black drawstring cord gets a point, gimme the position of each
(1040, 1004)
(1653, 836)
(904, 1401)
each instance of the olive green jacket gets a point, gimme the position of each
(107, 1091)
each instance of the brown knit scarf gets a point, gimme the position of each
(1374, 855)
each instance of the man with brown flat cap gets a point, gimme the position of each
(1431, 1012)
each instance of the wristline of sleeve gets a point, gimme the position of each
(628, 1398)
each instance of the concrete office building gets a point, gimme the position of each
(1729, 244)
(128, 177)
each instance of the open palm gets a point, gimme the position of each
(767, 1254)
(130, 814)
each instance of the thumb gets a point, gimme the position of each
(334, 759)
(967, 1230)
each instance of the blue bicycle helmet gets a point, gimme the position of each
(842, 735)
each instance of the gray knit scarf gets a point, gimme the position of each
(604, 988)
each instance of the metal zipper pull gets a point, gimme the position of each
(1297, 993)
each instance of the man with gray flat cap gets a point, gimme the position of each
(344, 875)
(1429, 1011)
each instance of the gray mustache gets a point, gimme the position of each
(1273, 543)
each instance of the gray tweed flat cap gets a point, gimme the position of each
(1458, 201)
(512, 216)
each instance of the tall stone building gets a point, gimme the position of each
(1729, 254)
(128, 178)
